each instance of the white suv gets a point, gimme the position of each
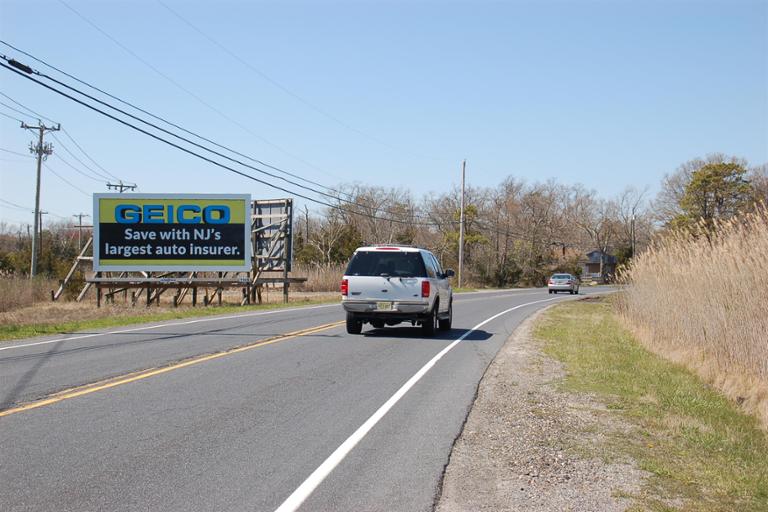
(389, 284)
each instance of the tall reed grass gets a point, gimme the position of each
(319, 279)
(704, 303)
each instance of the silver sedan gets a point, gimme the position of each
(563, 283)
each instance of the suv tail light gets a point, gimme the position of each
(425, 288)
(345, 287)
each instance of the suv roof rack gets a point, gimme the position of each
(395, 245)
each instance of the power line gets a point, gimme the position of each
(62, 178)
(15, 109)
(190, 152)
(271, 80)
(162, 119)
(14, 205)
(26, 72)
(57, 139)
(185, 90)
(11, 117)
(79, 171)
(16, 153)
(40, 116)
(76, 158)
(310, 189)
(87, 155)
(26, 208)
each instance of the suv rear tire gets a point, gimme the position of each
(354, 326)
(428, 326)
(444, 324)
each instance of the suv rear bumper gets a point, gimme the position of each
(401, 310)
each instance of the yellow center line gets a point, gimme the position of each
(127, 379)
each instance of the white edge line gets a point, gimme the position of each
(188, 322)
(294, 501)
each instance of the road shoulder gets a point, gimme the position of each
(517, 449)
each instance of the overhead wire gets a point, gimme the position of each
(190, 152)
(320, 192)
(62, 178)
(271, 80)
(87, 155)
(14, 205)
(25, 114)
(27, 209)
(323, 203)
(170, 123)
(36, 114)
(16, 153)
(78, 159)
(79, 171)
(40, 116)
(185, 90)
(11, 117)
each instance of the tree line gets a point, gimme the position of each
(516, 234)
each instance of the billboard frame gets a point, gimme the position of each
(247, 258)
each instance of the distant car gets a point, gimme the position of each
(563, 283)
(390, 284)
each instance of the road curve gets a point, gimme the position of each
(255, 411)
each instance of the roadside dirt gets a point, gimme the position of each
(525, 443)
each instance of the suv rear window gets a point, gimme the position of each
(392, 264)
(561, 276)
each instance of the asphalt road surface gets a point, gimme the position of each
(275, 410)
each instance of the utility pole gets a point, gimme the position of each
(42, 150)
(461, 224)
(40, 235)
(121, 187)
(632, 231)
(80, 227)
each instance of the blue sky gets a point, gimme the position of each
(608, 94)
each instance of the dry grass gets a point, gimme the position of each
(320, 279)
(704, 304)
(60, 317)
(18, 292)
(48, 313)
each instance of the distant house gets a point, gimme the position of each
(590, 267)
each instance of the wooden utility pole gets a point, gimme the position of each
(80, 227)
(42, 150)
(40, 235)
(461, 224)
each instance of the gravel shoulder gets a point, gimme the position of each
(526, 444)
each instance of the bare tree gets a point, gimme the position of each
(634, 220)
(597, 218)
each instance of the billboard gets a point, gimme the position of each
(171, 232)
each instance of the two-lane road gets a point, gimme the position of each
(255, 411)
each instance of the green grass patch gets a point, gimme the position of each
(16, 331)
(703, 454)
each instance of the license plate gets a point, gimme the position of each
(384, 306)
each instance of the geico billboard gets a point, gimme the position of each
(171, 232)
